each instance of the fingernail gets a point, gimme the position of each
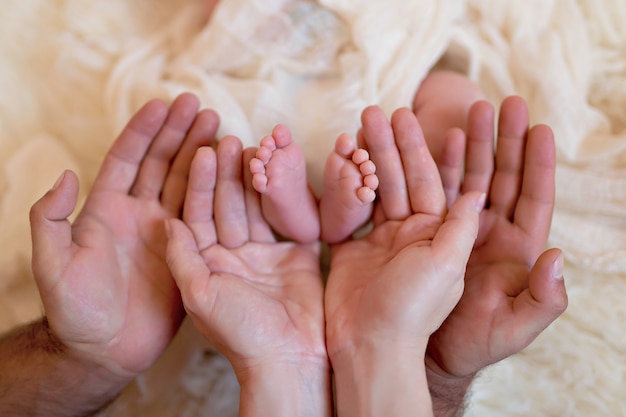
(480, 203)
(58, 181)
(557, 267)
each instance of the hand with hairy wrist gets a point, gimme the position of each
(43, 377)
(448, 393)
(258, 301)
(111, 303)
(513, 289)
(388, 291)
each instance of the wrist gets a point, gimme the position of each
(448, 392)
(42, 376)
(381, 379)
(89, 376)
(101, 375)
(286, 387)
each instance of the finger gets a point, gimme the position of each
(380, 142)
(450, 164)
(535, 206)
(198, 208)
(157, 161)
(231, 219)
(544, 300)
(201, 133)
(420, 171)
(259, 229)
(455, 238)
(121, 165)
(507, 179)
(51, 232)
(479, 158)
(183, 258)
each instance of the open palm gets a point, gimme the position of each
(512, 290)
(400, 281)
(256, 300)
(106, 288)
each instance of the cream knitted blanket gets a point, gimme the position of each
(74, 71)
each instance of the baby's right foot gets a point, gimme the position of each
(350, 182)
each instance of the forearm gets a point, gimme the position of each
(373, 382)
(296, 389)
(39, 377)
(448, 394)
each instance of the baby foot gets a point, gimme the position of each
(279, 175)
(350, 182)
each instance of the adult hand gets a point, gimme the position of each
(258, 301)
(388, 291)
(513, 291)
(107, 292)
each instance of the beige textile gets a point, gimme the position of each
(74, 71)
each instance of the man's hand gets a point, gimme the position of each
(513, 291)
(106, 288)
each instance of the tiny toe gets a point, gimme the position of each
(344, 146)
(367, 168)
(259, 182)
(371, 181)
(257, 166)
(281, 136)
(366, 194)
(264, 154)
(361, 156)
(268, 143)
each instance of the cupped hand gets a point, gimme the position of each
(258, 301)
(513, 291)
(107, 291)
(399, 282)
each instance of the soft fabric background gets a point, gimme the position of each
(73, 72)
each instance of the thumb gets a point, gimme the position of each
(185, 262)
(51, 232)
(455, 238)
(544, 300)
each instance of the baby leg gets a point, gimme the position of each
(279, 174)
(350, 182)
(442, 102)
